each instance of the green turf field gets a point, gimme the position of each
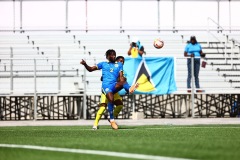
(193, 142)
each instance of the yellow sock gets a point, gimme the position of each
(117, 110)
(99, 115)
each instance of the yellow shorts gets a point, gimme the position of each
(105, 100)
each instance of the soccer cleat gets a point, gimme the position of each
(94, 127)
(133, 88)
(113, 124)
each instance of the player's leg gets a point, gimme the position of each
(118, 103)
(110, 98)
(107, 89)
(101, 110)
(120, 85)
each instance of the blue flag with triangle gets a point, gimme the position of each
(155, 75)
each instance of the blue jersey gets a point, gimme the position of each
(193, 49)
(110, 71)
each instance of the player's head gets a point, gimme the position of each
(193, 40)
(111, 55)
(120, 59)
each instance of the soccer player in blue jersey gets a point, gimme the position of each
(103, 102)
(111, 72)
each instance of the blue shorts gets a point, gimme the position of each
(106, 88)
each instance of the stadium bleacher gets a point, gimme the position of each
(71, 48)
(59, 73)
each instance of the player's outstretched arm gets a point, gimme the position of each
(90, 69)
(141, 50)
(129, 50)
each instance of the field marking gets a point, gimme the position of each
(188, 127)
(94, 152)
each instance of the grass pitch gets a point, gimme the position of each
(193, 142)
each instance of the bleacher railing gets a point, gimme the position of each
(33, 73)
(223, 31)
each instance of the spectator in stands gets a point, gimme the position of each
(193, 49)
(136, 49)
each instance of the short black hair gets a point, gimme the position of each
(109, 52)
(118, 57)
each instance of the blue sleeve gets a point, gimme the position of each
(99, 65)
(120, 66)
(186, 48)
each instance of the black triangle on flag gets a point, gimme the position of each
(143, 78)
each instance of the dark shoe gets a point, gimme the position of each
(199, 91)
(189, 90)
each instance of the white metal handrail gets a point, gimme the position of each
(234, 43)
(222, 29)
(120, 30)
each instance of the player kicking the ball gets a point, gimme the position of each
(103, 102)
(111, 72)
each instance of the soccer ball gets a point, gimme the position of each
(158, 43)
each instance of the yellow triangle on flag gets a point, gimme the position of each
(144, 84)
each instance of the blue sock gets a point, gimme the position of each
(126, 86)
(110, 110)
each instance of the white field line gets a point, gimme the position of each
(175, 127)
(94, 152)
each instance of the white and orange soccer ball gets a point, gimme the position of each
(158, 43)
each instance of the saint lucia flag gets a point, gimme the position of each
(155, 75)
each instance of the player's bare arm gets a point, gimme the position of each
(140, 52)
(129, 51)
(90, 69)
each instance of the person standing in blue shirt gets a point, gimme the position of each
(193, 49)
(112, 80)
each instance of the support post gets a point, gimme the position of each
(230, 20)
(84, 96)
(158, 15)
(208, 32)
(59, 73)
(121, 16)
(35, 90)
(192, 92)
(11, 71)
(21, 15)
(174, 2)
(14, 19)
(86, 8)
(233, 44)
(133, 103)
(66, 20)
(218, 15)
(225, 48)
